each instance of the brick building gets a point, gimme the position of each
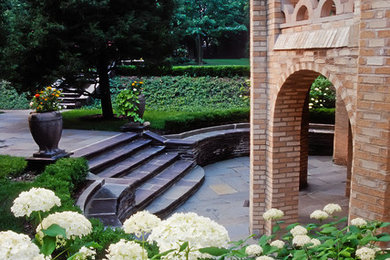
(292, 42)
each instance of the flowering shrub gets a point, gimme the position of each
(322, 94)
(189, 236)
(46, 100)
(127, 102)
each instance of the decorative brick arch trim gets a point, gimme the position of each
(341, 90)
(288, 9)
(310, 6)
(318, 10)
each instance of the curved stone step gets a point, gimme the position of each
(102, 161)
(152, 188)
(103, 146)
(168, 201)
(125, 166)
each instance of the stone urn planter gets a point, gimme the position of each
(141, 105)
(46, 129)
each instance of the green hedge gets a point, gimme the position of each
(64, 178)
(322, 115)
(11, 166)
(192, 71)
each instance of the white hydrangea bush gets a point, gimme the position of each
(141, 223)
(36, 199)
(14, 246)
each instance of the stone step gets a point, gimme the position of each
(152, 188)
(168, 201)
(115, 154)
(125, 166)
(69, 105)
(70, 94)
(105, 145)
(152, 168)
(73, 99)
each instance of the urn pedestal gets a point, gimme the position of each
(46, 129)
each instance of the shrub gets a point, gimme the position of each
(10, 99)
(322, 94)
(322, 115)
(192, 71)
(11, 166)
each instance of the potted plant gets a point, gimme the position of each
(131, 103)
(46, 122)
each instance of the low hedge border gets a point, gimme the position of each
(64, 178)
(192, 71)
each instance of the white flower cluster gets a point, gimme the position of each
(264, 257)
(359, 222)
(301, 240)
(141, 222)
(365, 253)
(277, 243)
(75, 224)
(273, 214)
(85, 253)
(198, 231)
(14, 246)
(36, 199)
(253, 250)
(298, 230)
(319, 215)
(332, 208)
(315, 242)
(126, 250)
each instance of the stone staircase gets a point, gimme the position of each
(71, 98)
(134, 171)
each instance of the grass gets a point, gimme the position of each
(160, 121)
(11, 166)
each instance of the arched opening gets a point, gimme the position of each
(303, 14)
(328, 9)
(289, 155)
(283, 19)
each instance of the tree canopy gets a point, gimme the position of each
(205, 21)
(51, 39)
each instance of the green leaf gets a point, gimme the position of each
(328, 230)
(214, 251)
(384, 238)
(54, 230)
(385, 224)
(367, 239)
(183, 246)
(48, 246)
(162, 254)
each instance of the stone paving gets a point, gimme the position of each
(16, 140)
(224, 195)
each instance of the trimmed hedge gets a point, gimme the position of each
(63, 177)
(11, 166)
(192, 71)
(322, 115)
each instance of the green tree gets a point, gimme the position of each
(205, 21)
(73, 39)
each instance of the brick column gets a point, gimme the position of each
(340, 141)
(370, 194)
(258, 118)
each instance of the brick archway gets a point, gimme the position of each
(350, 49)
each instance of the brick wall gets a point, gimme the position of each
(351, 50)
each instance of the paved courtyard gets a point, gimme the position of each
(225, 193)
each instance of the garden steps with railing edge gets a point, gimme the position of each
(129, 171)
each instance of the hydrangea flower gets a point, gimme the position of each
(332, 208)
(86, 253)
(75, 224)
(198, 231)
(298, 230)
(301, 240)
(315, 242)
(264, 257)
(277, 243)
(365, 253)
(36, 199)
(273, 214)
(359, 222)
(253, 250)
(14, 246)
(141, 222)
(319, 215)
(126, 250)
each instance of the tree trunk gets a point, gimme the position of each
(104, 89)
(199, 49)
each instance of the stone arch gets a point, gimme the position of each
(328, 8)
